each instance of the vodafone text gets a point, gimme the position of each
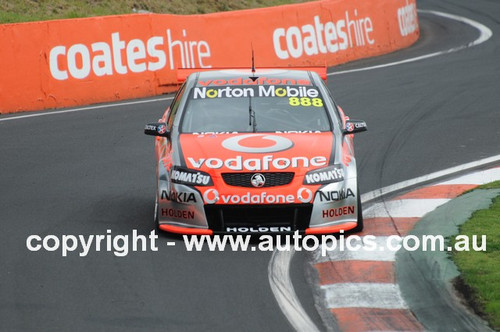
(118, 56)
(304, 195)
(329, 37)
(261, 80)
(212, 196)
(258, 164)
(261, 198)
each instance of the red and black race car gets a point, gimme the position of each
(266, 151)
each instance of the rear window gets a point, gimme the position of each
(262, 108)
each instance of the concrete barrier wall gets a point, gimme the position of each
(63, 63)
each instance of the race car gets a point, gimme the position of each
(255, 151)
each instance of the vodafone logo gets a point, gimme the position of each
(304, 195)
(211, 196)
(253, 143)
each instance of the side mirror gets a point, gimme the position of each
(157, 129)
(354, 126)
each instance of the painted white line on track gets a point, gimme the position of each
(404, 208)
(287, 297)
(485, 33)
(364, 295)
(429, 177)
(478, 178)
(281, 285)
(86, 108)
(362, 254)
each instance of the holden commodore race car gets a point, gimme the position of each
(245, 151)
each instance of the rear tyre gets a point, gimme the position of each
(359, 226)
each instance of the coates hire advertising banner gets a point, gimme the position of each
(65, 63)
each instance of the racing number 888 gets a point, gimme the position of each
(305, 101)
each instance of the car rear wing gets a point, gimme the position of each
(183, 73)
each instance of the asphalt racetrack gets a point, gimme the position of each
(89, 171)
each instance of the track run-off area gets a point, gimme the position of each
(87, 170)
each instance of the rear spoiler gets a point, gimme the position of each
(183, 73)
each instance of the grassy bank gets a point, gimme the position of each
(480, 271)
(12, 11)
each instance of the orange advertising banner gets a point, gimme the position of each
(64, 63)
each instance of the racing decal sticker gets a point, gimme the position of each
(175, 213)
(305, 101)
(161, 129)
(335, 195)
(260, 229)
(304, 195)
(351, 126)
(179, 197)
(259, 152)
(212, 196)
(338, 212)
(260, 198)
(260, 81)
(260, 91)
(213, 133)
(297, 131)
(280, 143)
(258, 164)
(330, 174)
(190, 177)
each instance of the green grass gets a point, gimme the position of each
(13, 11)
(492, 185)
(481, 270)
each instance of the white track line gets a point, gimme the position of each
(364, 254)
(485, 33)
(281, 285)
(478, 178)
(421, 179)
(364, 295)
(127, 103)
(404, 208)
